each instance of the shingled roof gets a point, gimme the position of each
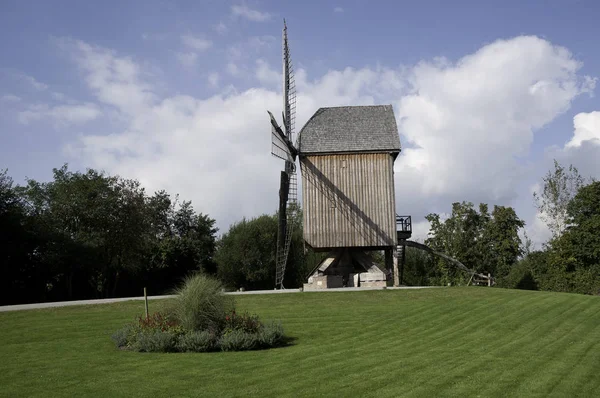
(350, 129)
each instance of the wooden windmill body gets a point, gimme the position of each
(346, 157)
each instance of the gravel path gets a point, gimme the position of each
(36, 306)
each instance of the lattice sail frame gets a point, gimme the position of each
(280, 149)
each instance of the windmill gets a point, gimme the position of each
(346, 155)
(283, 148)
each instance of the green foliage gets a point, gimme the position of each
(573, 258)
(156, 341)
(22, 276)
(501, 240)
(157, 333)
(246, 254)
(122, 336)
(200, 319)
(245, 322)
(238, 340)
(158, 321)
(559, 188)
(186, 240)
(419, 268)
(200, 304)
(271, 335)
(519, 277)
(195, 341)
(482, 241)
(88, 234)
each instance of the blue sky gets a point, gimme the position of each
(174, 93)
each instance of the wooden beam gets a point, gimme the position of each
(395, 260)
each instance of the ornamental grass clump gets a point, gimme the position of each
(200, 319)
(200, 304)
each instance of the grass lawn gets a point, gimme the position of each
(434, 342)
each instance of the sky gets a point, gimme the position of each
(174, 93)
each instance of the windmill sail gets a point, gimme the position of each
(282, 147)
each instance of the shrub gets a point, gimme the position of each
(200, 304)
(121, 337)
(158, 321)
(245, 322)
(238, 340)
(200, 319)
(271, 335)
(197, 342)
(519, 277)
(155, 341)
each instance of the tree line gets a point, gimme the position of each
(91, 235)
(490, 241)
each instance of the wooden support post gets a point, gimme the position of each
(489, 279)
(403, 261)
(146, 303)
(389, 263)
(470, 279)
(395, 260)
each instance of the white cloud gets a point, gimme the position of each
(213, 79)
(232, 69)
(115, 81)
(187, 59)
(581, 151)
(60, 114)
(259, 42)
(197, 43)
(10, 98)
(249, 14)
(249, 48)
(462, 123)
(338, 10)
(587, 128)
(468, 122)
(267, 76)
(420, 230)
(154, 36)
(221, 28)
(58, 96)
(235, 52)
(34, 83)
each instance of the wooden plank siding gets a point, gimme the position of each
(349, 200)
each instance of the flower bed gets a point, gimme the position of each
(201, 319)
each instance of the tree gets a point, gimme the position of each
(92, 228)
(560, 186)
(584, 217)
(182, 242)
(571, 262)
(246, 254)
(481, 241)
(18, 279)
(89, 234)
(419, 268)
(502, 238)
(459, 236)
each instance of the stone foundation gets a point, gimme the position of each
(323, 282)
(346, 268)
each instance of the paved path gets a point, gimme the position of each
(36, 306)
